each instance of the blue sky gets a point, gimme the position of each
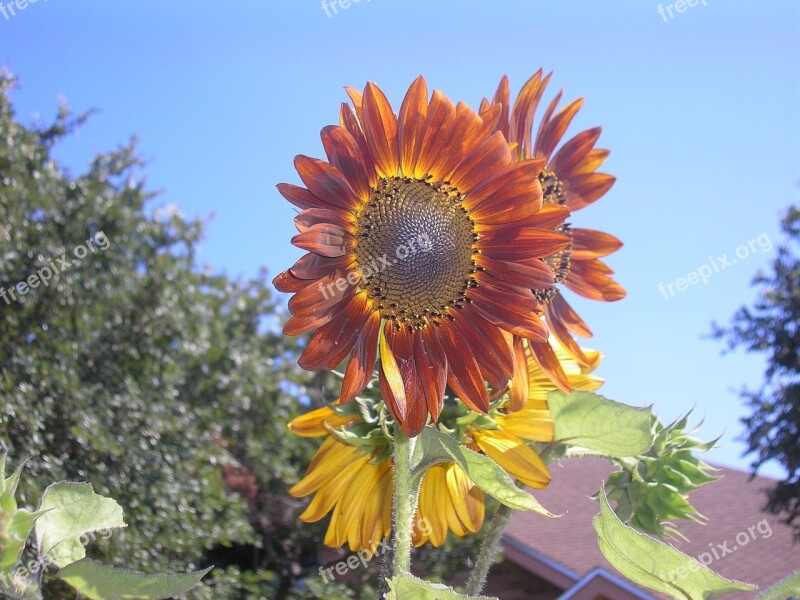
(699, 111)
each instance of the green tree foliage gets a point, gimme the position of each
(772, 326)
(164, 387)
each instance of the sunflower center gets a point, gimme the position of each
(415, 250)
(560, 262)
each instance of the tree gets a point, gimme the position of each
(772, 326)
(123, 365)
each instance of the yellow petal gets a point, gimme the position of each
(332, 492)
(535, 425)
(514, 456)
(374, 526)
(355, 501)
(467, 498)
(317, 422)
(331, 457)
(433, 499)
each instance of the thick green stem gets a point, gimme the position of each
(404, 503)
(491, 544)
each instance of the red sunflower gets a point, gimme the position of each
(424, 241)
(570, 179)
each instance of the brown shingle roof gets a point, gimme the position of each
(741, 541)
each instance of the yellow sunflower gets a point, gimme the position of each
(423, 239)
(570, 179)
(357, 491)
(355, 483)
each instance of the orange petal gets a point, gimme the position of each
(410, 124)
(525, 109)
(349, 121)
(357, 99)
(511, 309)
(312, 216)
(301, 197)
(549, 216)
(588, 244)
(520, 381)
(326, 182)
(585, 189)
(362, 361)
(592, 162)
(332, 342)
(409, 408)
(468, 132)
(488, 158)
(463, 371)
(571, 155)
(437, 133)
(432, 367)
(487, 344)
(325, 239)
(380, 131)
(318, 296)
(343, 153)
(554, 130)
(534, 274)
(513, 244)
(518, 183)
(561, 310)
(287, 282)
(559, 329)
(314, 266)
(592, 279)
(298, 325)
(549, 363)
(501, 97)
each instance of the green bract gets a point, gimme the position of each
(651, 489)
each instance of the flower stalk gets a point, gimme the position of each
(404, 503)
(489, 549)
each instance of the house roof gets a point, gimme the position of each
(739, 541)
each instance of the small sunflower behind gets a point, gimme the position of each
(569, 179)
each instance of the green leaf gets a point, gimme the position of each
(72, 510)
(99, 582)
(407, 587)
(600, 425)
(13, 536)
(432, 446)
(786, 588)
(649, 562)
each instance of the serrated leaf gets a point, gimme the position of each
(407, 587)
(600, 425)
(785, 588)
(70, 511)
(654, 564)
(432, 446)
(99, 582)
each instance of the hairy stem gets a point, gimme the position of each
(491, 544)
(404, 503)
